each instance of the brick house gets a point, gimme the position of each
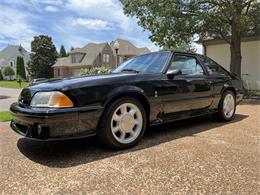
(95, 54)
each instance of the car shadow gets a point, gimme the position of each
(4, 97)
(68, 153)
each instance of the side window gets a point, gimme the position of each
(213, 67)
(187, 64)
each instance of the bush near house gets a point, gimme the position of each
(9, 72)
(95, 70)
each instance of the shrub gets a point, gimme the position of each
(9, 71)
(95, 70)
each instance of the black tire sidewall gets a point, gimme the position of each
(105, 134)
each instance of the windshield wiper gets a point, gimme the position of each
(129, 70)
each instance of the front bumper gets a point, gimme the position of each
(52, 123)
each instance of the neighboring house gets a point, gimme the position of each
(8, 57)
(95, 54)
(90, 55)
(219, 50)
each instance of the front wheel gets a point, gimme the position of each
(122, 124)
(227, 107)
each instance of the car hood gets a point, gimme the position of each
(84, 81)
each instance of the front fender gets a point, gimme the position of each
(123, 90)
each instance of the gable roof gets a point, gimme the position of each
(11, 52)
(127, 48)
(90, 51)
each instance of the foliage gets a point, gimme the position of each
(20, 70)
(13, 84)
(95, 70)
(63, 51)
(188, 47)
(1, 75)
(42, 58)
(5, 116)
(9, 71)
(174, 23)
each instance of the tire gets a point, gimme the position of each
(227, 107)
(122, 124)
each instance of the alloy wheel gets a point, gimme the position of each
(229, 105)
(126, 123)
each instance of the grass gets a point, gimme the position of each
(12, 84)
(5, 116)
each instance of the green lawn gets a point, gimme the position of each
(5, 116)
(12, 84)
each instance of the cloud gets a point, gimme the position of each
(71, 22)
(50, 8)
(108, 10)
(92, 24)
(111, 12)
(15, 27)
(82, 5)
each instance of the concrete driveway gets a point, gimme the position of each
(7, 97)
(197, 156)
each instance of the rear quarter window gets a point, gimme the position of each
(213, 67)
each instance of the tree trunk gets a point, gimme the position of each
(235, 48)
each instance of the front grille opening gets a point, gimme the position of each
(22, 128)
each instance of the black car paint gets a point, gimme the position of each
(165, 100)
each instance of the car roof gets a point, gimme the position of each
(173, 51)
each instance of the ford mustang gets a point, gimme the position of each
(146, 90)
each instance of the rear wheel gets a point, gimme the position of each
(123, 123)
(227, 107)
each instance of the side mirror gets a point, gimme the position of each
(172, 73)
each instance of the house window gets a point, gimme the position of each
(106, 58)
(12, 63)
(77, 57)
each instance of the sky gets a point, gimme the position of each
(69, 22)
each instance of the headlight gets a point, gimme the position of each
(54, 99)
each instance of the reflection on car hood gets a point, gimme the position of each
(73, 82)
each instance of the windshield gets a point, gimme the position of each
(148, 63)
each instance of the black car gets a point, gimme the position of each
(146, 90)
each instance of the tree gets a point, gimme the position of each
(8, 71)
(1, 75)
(182, 47)
(63, 51)
(72, 48)
(42, 58)
(173, 23)
(20, 70)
